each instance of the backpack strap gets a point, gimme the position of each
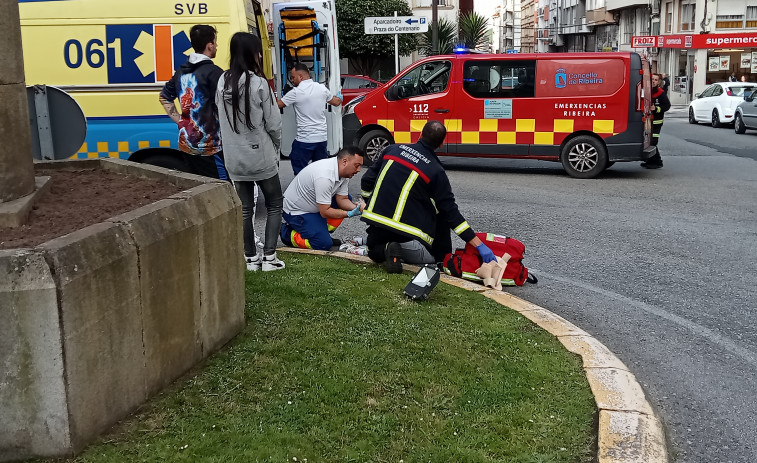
(454, 265)
(532, 279)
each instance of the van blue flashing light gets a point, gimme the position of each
(461, 50)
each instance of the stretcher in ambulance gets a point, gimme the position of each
(586, 111)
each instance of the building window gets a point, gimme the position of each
(668, 17)
(688, 12)
(630, 27)
(751, 16)
(729, 21)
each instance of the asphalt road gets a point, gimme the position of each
(659, 265)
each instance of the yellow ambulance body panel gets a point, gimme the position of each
(113, 57)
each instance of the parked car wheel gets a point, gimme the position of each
(738, 124)
(584, 157)
(373, 143)
(716, 119)
(692, 119)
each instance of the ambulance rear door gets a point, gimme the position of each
(305, 31)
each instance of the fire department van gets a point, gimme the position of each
(113, 57)
(585, 110)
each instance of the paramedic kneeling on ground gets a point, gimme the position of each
(404, 189)
(316, 201)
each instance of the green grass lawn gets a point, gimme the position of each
(336, 365)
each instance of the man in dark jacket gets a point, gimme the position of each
(194, 84)
(661, 105)
(410, 205)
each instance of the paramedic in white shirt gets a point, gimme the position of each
(316, 201)
(309, 100)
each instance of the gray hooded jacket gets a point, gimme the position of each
(252, 154)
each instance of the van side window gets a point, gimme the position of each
(499, 79)
(425, 79)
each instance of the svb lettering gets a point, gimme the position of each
(190, 8)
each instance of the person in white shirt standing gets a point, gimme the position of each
(309, 100)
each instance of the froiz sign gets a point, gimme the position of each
(643, 41)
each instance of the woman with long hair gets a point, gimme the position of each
(251, 134)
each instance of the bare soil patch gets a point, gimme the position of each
(78, 198)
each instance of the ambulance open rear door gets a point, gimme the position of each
(306, 32)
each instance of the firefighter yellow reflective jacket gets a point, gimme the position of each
(407, 190)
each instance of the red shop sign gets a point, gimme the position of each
(747, 39)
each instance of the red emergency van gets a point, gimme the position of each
(586, 110)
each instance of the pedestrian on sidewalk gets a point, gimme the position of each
(194, 85)
(251, 130)
(661, 105)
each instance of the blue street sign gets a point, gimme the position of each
(511, 51)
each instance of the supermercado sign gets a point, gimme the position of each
(748, 39)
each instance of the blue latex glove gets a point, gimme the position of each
(356, 211)
(486, 254)
(339, 95)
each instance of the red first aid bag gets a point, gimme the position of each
(463, 263)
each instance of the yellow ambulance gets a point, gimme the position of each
(114, 56)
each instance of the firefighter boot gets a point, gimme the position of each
(393, 254)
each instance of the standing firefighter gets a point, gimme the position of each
(661, 105)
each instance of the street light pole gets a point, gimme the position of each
(434, 28)
(16, 165)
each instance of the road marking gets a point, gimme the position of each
(696, 328)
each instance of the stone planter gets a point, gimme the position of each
(95, 322)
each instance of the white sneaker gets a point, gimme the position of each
(352, 249)
(253, 262)
(271, 263)
(358, 241)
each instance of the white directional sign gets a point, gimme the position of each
(396, 25)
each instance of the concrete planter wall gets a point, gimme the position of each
(95, 322)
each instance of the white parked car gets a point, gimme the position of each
(717, 103)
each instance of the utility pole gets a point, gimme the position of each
(434, 28)
(16, 165)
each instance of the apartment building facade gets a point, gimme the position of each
(506, 27)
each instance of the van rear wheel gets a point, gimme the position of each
(584, 157)
(373, 143)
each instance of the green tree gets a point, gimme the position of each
(473, 30)
(364, 51)
(447, 38)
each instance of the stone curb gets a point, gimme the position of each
(629, 430)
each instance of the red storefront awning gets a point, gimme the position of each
(747, 39)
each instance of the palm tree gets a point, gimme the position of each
(446, 37)
(473, 30)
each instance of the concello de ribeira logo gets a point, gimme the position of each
(561, 78)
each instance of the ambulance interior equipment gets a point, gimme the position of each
(307, 33)
(303, 41)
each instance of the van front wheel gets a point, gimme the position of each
(584, 157)
(373, 143)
